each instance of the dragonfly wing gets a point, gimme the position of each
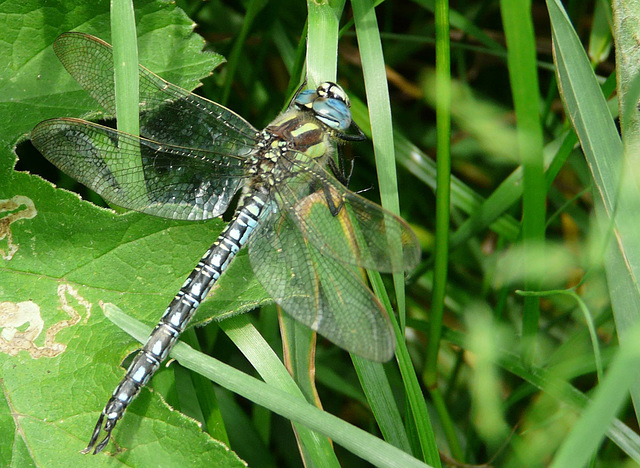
(139, 174)
(345, 225)
(169, 114)
(319, 291)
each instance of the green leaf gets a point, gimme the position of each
(61, 256)
(616, 194)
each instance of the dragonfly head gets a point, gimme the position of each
(329, 104)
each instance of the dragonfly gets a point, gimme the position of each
(308, 236)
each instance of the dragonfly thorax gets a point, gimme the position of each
(286, 145)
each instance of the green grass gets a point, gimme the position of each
(516, 335)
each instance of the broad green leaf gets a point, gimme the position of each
(62, 256)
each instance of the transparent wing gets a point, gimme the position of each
(319, 291)
(139, 174)
(344, 225)
(169, 114)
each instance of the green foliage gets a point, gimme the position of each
(537, 355)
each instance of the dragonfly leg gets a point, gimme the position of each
(339, 171)
(358, 136)
(334, 208)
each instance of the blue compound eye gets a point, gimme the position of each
(333, 113)
(306, 98)
(329, 103)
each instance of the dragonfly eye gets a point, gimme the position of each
(304, 100)
(332, 90)
(329, 103)
(332, 112)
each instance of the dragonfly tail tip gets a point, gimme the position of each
(94, 437)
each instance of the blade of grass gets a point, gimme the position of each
(322, 41)
(603, 151)
(523, 75)
(443, 215)
(125, 65)
(413, 392)
(253, 346)
(379, 395)
(377, 90)
(322, 66)
(206, 397)
(299, 341)
(126, 83)
(600, 40)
